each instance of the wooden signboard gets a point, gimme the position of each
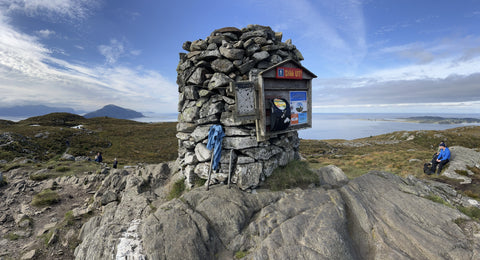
(288, 80)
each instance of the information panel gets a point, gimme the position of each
(299, 107)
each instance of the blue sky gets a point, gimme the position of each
(369, 56)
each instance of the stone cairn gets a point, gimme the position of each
(206, 98)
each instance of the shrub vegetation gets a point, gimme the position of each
(45, 197)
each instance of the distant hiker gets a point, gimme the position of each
(440, 159)
(115, 163)
(98, 157)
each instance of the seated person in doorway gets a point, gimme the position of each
(442, 158)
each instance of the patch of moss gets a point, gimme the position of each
(240, 254)
(42, 176)
(46, 237)
(198, 182)
(177, 189)
(152, 208)
(11, 236)
(294, 174)
(472, 212)
(474, 169)
(462, 172)
(460, 221)
(438, 199)
(45, 198)
(62, 169)
(69, 220)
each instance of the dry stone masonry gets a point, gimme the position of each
(206, 98)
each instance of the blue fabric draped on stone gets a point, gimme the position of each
(215, 137)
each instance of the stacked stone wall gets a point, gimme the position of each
(205, 98)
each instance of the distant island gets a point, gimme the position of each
(114, 112)
(33, 110)
(440, 120)
(28, 111)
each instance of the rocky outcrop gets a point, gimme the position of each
(124, 199)
(376, 216)
(28, 231)
(205, 98)
(461, 160)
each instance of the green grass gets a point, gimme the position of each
(472, 212)
(46, 237)
(69, 220)
(11, 236)
(62, 169)
(240, 254)
(389, 152)
(294, 174)
(128, 141)
(177, 189)
(438, 199)
(45, 198)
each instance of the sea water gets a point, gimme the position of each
(346, 126)
(353, 126)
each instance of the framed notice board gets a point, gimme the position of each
(290, 81)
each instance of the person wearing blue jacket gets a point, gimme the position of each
(442, 158)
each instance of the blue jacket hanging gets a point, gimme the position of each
(215, 137)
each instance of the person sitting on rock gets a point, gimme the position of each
(99, 158)
(440, 159)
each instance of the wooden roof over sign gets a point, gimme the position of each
(289, 67)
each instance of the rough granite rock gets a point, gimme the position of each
(461, 158)
(375, 216)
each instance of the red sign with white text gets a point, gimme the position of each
(289, 73)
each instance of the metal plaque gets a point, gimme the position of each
(245, 100)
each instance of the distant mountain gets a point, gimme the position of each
(114, 112)
(33, 110)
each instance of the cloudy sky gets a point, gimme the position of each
(369, 56)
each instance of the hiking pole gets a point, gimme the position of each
(230, 168)
(210, 170)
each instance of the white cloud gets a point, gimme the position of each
(113, 51)
(45, 33)
(31, 75)
(331, 31)
(72, 9)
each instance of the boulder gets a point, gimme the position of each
(332, 177)
(68, 157)
(202, 153)
(222, 65)
(219, 80)
(461, 159)
(198, 45)
(248, 175)
(29, 255)
(231, 53)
